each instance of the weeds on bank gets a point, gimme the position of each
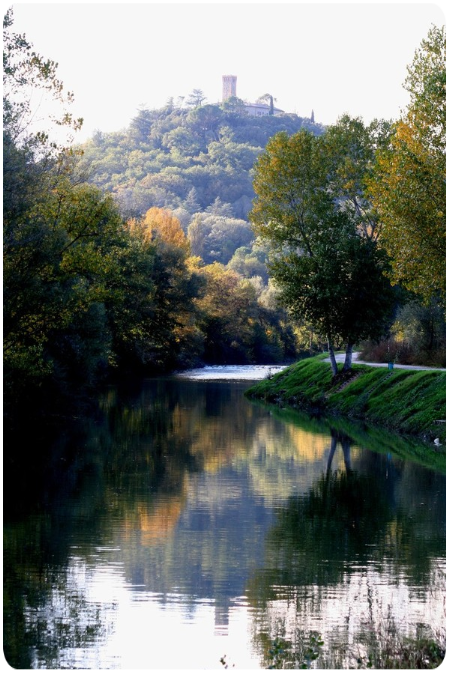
(386, 649)
(282, 654)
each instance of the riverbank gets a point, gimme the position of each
(405, 401)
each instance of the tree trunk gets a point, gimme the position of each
(331, 453)
(348, 358)
(332, 358)
(346, 445)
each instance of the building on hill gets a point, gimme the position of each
(255, 109)
(261, 109)
(229, 86)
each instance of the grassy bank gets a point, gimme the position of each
(406, 401)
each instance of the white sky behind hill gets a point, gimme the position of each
(332, 58)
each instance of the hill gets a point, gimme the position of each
(187, 160)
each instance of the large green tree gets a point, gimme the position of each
(330, 272)
(58, 257)
(55, 254)
(409, 184)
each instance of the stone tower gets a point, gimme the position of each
(229, 86)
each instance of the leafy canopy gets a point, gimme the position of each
(408, 186)
(310, 207)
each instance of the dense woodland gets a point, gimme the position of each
(189, 160)
(139, 251)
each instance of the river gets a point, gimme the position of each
(183, 525)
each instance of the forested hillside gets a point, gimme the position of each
(189, 160)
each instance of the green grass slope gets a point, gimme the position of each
(407, 401)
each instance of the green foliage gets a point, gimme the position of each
(58, 257)
(408, 186)
(215, 238)
(418, 336)
(211, 148)
(310, 209)
(236, 327)
(153, 319)
(341, 290)
(250, 262)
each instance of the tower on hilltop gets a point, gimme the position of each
(229, 86)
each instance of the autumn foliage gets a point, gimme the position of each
(408, 187)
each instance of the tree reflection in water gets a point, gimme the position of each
(339, 533)
(182, 496)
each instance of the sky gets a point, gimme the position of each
(332, 58)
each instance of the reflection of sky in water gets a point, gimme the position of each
(152, 631)
(186, 574)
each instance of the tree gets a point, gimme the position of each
(59, 239)
(191, 202)
(267, 98)
(216, 237)
(205, 120)
(219, 208)
(58, 259)
(153, 321)
(227, 311)
(350, 148)
(421, 329)
(141, 124)
(196, 98)
(408, 188)
(160, 224)
(248, 261)
(328, 272)
(234, 105)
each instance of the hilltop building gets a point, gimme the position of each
(260, 109)
(229, 86)
(254, 109)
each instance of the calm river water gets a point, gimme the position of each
(184, 524)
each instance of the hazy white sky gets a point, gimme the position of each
(331, 58)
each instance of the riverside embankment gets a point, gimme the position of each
(411, 402)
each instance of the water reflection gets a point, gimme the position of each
(184, 510)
